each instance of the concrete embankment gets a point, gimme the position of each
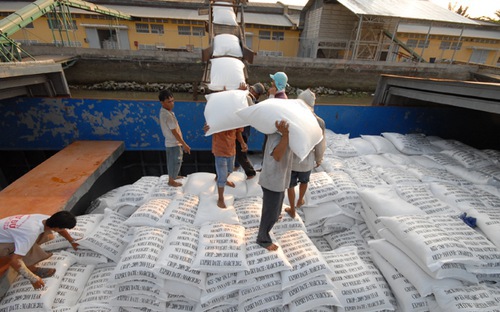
(97, 65)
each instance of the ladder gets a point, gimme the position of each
(230, 26)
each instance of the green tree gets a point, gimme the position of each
(460, 10)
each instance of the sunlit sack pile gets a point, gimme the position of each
(387, 225)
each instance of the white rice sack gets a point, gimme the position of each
(84, 224)
(179, 306)
(449, 144)
(410, 144)
(226, 73)
(487, 218)
(356, 163)
(421, 196)
(425, 162)
(468, 158)
(181, 211)
(320, 189)
(249, 211)
(468, 298)
(218, 285)
(270, 301)
(385, 201)
(139, 258)
(220, 110)
(240, 185)
(223, 303)
(377, 160)
(492, 155)
(351, 237)
(175, 263)
(287, 223)
(260, 261)
(304, 130)
(148, 213)
(107, 200)
(381, 144)
(330, 164)
(366, 178)
(21, 295)
(163, 190)
(221, 246)
(314, 285)
(110, 238)
(456, 196)
(85, 256)
(321, 212)
(320, 301)
(346, 188)
(477, 243)
(227, 45)
(95, 307)
(492, 171)
(72, 285)
(362, 147)
(428, 175)
(471, 175)
(304, 257)
(398, 159)
(266, 283)
(97, 290)
(224, 15)
(352, 280)
(209, 212)
(422, 282)
(442, 159)
(448, 270)
(397, 175)
(141, 295)
(429, 241)
(135, 195)
(253, 186)
(200, 183)
(339, 144)
(408, 298)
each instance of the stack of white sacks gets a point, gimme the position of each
(380, 231)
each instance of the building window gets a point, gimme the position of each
(264, 35)
(278, 35)
(412, 43)
(157, 29)
(450, 45)
(142, 28)
(184, 30)
(59, 25)
(198, 31)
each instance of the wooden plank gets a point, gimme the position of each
(60, 181)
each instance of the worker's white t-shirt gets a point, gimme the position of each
(22, 230)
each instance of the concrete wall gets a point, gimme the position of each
(95, 65)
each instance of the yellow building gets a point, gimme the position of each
(270, 29)
(404, 31)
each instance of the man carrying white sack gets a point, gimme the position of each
(301, 170)
(20, 239)
(274, 180)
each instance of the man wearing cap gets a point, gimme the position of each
(279, 84)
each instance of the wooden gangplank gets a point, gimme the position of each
(60, 181)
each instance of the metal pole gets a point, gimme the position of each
(358, 37)
(426, 40)
(458, 44)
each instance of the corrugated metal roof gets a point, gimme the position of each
(267, 19)
(413, 9)
(447, 31)
(157, 12)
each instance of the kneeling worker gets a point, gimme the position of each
(20, 239)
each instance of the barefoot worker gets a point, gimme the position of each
(20, 239)
(274, 180)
